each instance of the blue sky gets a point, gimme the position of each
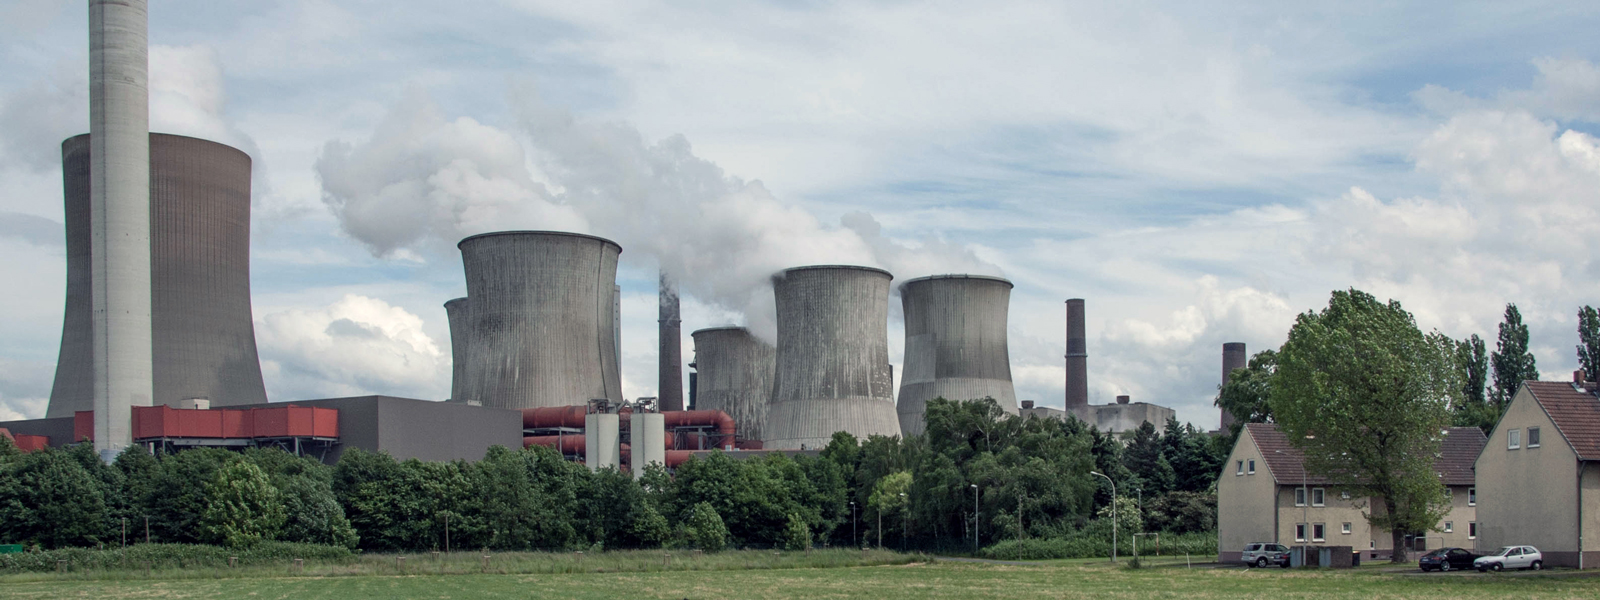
(1198, 174)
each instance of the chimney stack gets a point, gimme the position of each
(1233, 357)
(1077, 357)
(670, 383)
(1123, 399)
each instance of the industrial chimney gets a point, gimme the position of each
(670, 382)
(541, 319)
(956, 345)
(735, 376)
(833, 357)
(1077, 358)
(1233, 357)
(456, 311)
(119, 222)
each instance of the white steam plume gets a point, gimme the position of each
(422, 180)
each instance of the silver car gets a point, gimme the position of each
(1262, 554)
(1510, 557)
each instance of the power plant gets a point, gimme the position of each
(833, 370)
(1124, 415)
(541, 319)
(735, 370)
(956, 345)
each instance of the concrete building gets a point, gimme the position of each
(735, 371)
(456, 311)
(541, 319)
(1124, 416)
(1539, 475)
(833, 370)
(956, 345)
(203, 343)
(1264, 494)
(1234, 356)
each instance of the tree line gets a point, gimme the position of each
(1031, 476)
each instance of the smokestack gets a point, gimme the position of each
(1077, 357)
(119, 128)
(1233, 357)
(670, 383)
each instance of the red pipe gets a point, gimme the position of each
(690, 418)
(570, 444)
(554, 416)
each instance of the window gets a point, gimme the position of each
(1372, 544)
(1316, 496)
(1252, 470)
(1299, 496)
(1252, 547)
(1513, 439)
(1533, 437)
(1241, 469)
(1299, 532)
(1317, 531)
(1472, 496)
(1345, 529)
(1472, 530)
(1449, 527)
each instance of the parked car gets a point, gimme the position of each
(1265, 553)
(1511, 557)
(1447, 559)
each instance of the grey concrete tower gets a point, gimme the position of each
(670, 383)
(119, 219)
(1233, 357)
(956, 345)
(734, 376)
(1077, 357)
(833, 357)
(541, 319)
(203, 343)
(456, 311)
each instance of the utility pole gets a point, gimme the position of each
(974, 519)
(905, 521)
(1113, 513)
(855, 538)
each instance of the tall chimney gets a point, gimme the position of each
(119, 223)
(1233, 357)
(1077, 357)
(670, 384)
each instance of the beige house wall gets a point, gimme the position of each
(1244, 502)
(1528, 496)
(1335, 512)
(1461, 515)
(1591, 515)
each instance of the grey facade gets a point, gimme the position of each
(425, 430)
(833, 369)
(1077, 356)
(456, 311)
(956, 345)
(204, 343)
(1109, 418)
(1234, 356)
(669, 386)
(735, 371)
(120, 328)
(542, 327)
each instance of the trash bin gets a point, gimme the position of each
(1355, 558)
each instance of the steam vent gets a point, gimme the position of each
(833, 369)
(955, 344)
(541, 319)
(203, 339)
(734, 376)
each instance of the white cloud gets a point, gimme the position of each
(357, 345)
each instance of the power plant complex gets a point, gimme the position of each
(158, 345)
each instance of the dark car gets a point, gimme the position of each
(1447, 559)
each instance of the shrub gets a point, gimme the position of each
(169, 556)
(1091, 544)
(704, 528)
(242, 507)
(796, 536)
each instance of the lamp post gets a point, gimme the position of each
(1113, 513)
(855, 538)
(974, 519)
(905, 521)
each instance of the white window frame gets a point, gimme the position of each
(1513, 439)
(1299, 496)
(1345, 528)
(1323, 527)
(1472, 496)
(1318, 497)
(1472, 530)
(1252, 469)
(1533, 437)
(1241, 469)
(1449, 527)
(1344, 495)
(1300, 531)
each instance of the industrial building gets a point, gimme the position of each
(956, 345)
(734, 371)
(833, 370)
(1124, 415)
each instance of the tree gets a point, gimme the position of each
(1144, 457)
(650, 528)
(48, 498)
(1513, 364)
(1589, 341)
(1364, 394)
(1473, 410)
(890, 496)
(1246, 393)
(704, 528)
(242, 507)
(796, 536)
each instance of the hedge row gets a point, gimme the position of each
(1199, 544)
(170, 556)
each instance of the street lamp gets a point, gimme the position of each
(1113, 513)
(905, 521)
(855, 538)
(974, 519)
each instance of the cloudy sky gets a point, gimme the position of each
(1199, 174)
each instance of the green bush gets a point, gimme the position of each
(170, 556)
(704, 528)
(796, 536)
(1084, 545)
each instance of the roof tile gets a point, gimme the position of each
(1575, 413)
(1458, 454)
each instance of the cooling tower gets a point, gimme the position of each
(456, 311)
(541, 319)
(833, 357)
(670, 382)
(204, 342)
(1077, 358)
(734, 375)
(955, 344)
(121, 371)
(1233, 357)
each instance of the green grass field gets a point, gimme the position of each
(747, 578)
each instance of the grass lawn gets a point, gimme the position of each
(1056, 579)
